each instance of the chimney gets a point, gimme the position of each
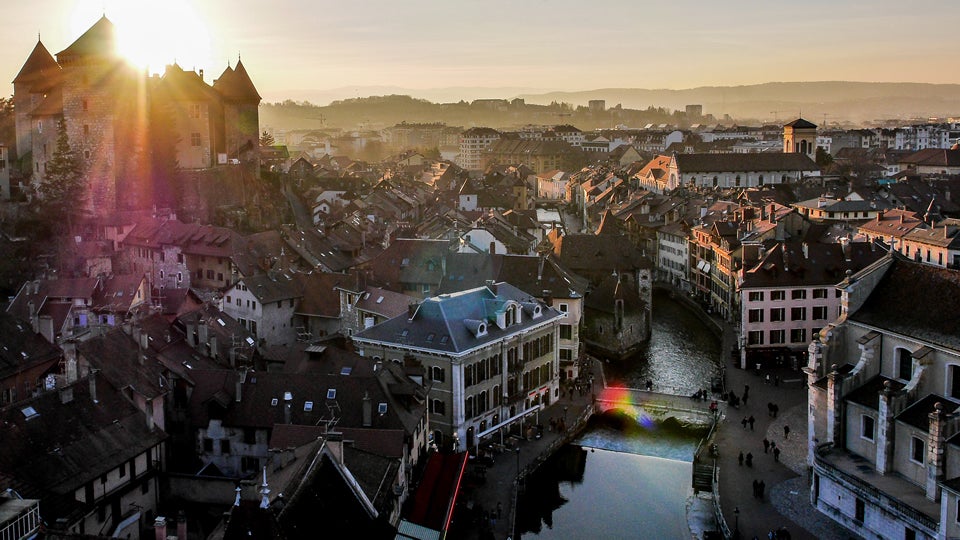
(213, 346)
(936, 451)
(806, 250)
(287, 407)
(242, 378)
(880, 215)
(182, 516)
(160, 528)
(201, 78)
(191, 334)
(493, 248)
(412, 310)
(144, 340)
(367, 410)
(135, 333)
(202, 332)
(92, 376)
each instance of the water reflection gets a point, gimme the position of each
(681, 357)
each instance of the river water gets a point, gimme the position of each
(628, 478)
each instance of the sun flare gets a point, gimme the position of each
(154, 33)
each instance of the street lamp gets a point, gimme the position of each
(736, 522)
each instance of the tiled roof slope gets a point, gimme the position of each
(916, 300)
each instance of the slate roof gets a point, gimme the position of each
(271, 288)
(449, 323)
(946, 236)
(22, 348)
(256, 409)
(784, 265)
(902, 298)
(69, 444)
(611, 289)
(123, 363)
(758, 162)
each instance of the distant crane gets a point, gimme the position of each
(775, 116)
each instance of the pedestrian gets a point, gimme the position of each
(751, 421)
(740, 458)
(744, 422)
(756, 488)
(766, 380)
(766, 445)
(649, 385)
(776, 380)
(769, 408)
(776, 409)
(745, 396)
(776, 454)
(760, 489)
(746, 391)
(749, 459)
(786, 431)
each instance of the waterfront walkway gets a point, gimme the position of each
(489, 487)
(786, 499)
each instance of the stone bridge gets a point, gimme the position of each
(658, 406)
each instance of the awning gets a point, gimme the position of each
(700, 264)
(706, 268)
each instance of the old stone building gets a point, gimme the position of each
(120, 121)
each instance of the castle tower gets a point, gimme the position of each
(241, 116)
(800, 137)
(38, 75)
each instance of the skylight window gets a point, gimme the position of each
(380, 300)
(307, 406)
(250, 341)
(382, 408)
(273, 402)
(220, 321)
(29, 412)
(346, 370)
(331, 393)
(430, 337)
(444, 338)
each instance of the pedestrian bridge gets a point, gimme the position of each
(640, 403)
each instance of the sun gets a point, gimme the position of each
(154, 33)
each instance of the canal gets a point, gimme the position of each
(626, 477)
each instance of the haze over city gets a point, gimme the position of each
(302, 49)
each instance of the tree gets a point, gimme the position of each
(823, 158)
(266, 139)
(63, 188)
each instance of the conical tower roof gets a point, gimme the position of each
(39, 64)
(100, 40)
(235, 85)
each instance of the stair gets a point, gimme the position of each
(702, 477)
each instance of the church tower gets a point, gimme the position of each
(800, 137)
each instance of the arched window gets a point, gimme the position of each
(738, 180)
(760, 180)
(716, 181)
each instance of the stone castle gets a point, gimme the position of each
(127, 127)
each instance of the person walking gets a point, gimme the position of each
(786, 431)
(756, 488)
(749, 459)
(766, 445)
(740, 458)
(761, 487)
(744, 422)
(776, 454)
(751, 420)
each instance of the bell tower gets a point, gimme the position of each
(800, 137)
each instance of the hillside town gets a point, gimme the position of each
(217, 329)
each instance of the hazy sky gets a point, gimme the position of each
(292, 46)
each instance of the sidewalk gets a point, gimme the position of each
(491, 487)
(786, 488)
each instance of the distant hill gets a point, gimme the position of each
(839, 100)
(847, 103)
